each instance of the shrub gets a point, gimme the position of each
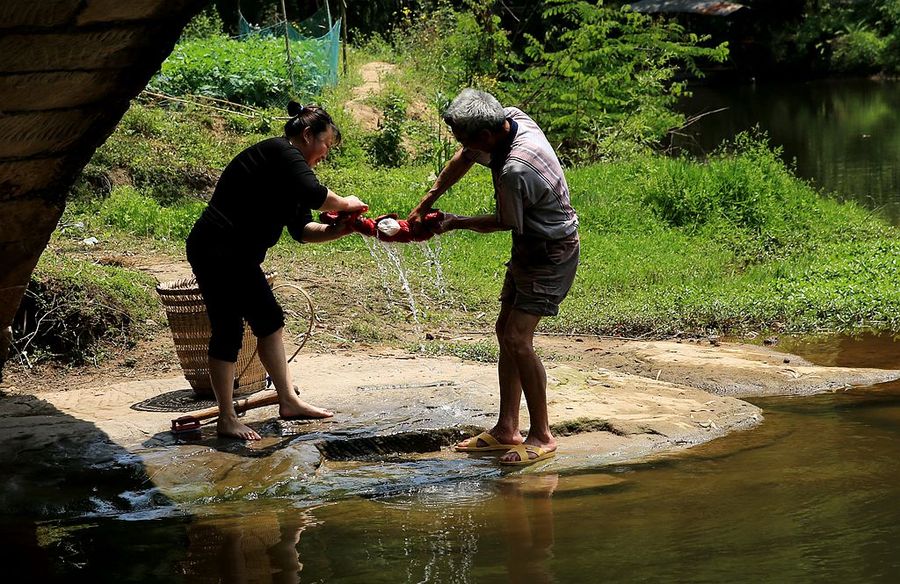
(385, 147)
(743, 195)
(858, 51)
(448, 50)
(73, 311)
(206, 24)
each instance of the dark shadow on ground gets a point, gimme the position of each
(59, 471)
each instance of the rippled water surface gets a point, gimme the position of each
(843, 135)
(810, 495)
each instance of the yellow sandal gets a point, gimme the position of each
(493, 445)
(524, 450)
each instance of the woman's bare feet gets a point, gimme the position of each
(294, 408)
(232, 428)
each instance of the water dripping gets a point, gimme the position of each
(394, 256)
(433, 259)
(373, 247)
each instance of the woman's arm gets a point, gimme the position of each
(335, 202)
(309, 231)
(319, 232)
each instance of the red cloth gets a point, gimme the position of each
(423, 231)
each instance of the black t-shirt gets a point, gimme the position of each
(267, 187)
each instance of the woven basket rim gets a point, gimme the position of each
(185, 284)
(177, 285)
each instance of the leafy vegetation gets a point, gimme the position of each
(252, 71)
(731, 244)
(385, 147)
(839, 36)
(603, 78)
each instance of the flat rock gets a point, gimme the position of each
(737, 370)
(88, 451)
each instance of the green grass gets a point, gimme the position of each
(730, 245)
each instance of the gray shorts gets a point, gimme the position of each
(540, 273)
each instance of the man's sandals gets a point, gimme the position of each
(524, 450)
(491, 444)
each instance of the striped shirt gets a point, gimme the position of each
(529, 186)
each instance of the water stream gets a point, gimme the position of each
(392, 263)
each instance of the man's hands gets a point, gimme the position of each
(448, 224)
(419, 212)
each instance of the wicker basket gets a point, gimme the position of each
(187, 317)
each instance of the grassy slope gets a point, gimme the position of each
(732, 245)
(789, 260)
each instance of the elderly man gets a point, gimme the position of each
(532, 200)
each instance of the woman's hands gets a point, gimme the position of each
(344, 225)
(354, 205)
(335, 202)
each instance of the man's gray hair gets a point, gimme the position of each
(474, 110)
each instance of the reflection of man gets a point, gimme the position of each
(532, 200)
(529, 532)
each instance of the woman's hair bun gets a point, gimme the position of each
(294, 108)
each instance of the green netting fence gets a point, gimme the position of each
(253, 69)
(314, 46)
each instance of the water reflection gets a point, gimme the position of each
(239, 548)
(528, 526)
(808, 496)
(844, 135)
(862, 350)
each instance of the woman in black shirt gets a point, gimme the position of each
(267, 187)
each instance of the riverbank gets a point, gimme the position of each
(732, 245)
(105, 447)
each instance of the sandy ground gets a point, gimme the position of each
(373, 75)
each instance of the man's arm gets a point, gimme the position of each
(479, 223)
(454, 170)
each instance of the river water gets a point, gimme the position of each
(843, 135)
(810, 495)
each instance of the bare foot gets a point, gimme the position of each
(231, 428)
(548, 446)
(294, 408)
